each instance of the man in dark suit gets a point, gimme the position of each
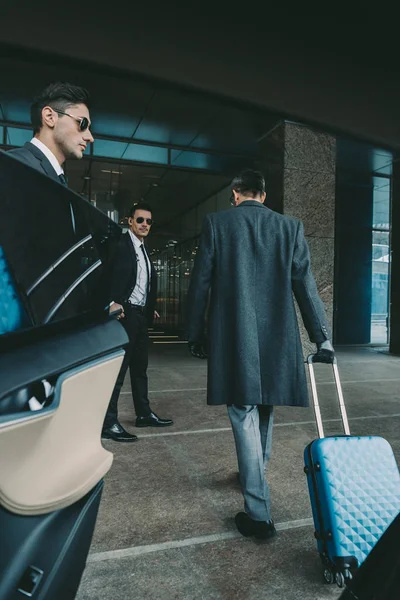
(61, 124)
(251, 259)
(133, 290)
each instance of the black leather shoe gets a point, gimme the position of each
(152, 421)
(117, 433)
(262, 530)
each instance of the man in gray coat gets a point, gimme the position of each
(251, 259)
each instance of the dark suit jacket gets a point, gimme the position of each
(32, 156)
(124, 273)
(253, 259)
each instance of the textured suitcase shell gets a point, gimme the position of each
(12, 314)
(354, 486)
(358, 486)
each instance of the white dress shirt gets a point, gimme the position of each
(139, 294)
(49, 155)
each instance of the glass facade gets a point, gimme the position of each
(18, 136)
(101, 181)
(174, 266)
(380, 260)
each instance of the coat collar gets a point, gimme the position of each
(45, 163)
(251, 203)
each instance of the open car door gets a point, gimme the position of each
(60, 355)
(378, 578)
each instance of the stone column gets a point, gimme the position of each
(309, 194)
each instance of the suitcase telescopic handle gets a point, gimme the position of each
(324, 357)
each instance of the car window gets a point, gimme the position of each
(54, 249)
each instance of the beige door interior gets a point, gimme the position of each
(52, 458)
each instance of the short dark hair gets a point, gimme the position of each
(249, 182)
(139, 206)
(59, 96)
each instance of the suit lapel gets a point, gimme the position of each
(133, 255)
(131, 252)
(44, 161)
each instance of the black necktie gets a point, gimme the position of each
(147, 267)
(63, 179)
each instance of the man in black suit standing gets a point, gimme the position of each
(133, 290)
(61, 124)
(252, 259)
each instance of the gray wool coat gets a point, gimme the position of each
(250, 260)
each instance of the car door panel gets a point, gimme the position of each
(49, 357)
(43, 557)
(52, 462)
(60, 355)
(50, 257)
(54, 455)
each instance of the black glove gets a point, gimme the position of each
(197, 349)
(325, 352)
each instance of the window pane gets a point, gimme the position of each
(150, 154)
(198, 160)
(382, 161)
(108, 148)
(137, 152)
(17, 110)
(380, 286)
(381, 202)
(18, 137)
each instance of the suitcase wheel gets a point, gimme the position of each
(339, 578)
(328, 575)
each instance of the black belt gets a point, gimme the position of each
(141, 309)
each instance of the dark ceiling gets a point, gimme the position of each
(332, 67)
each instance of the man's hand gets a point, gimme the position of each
(197, 349)
(325, 352)
(115, 307)
(156, 315)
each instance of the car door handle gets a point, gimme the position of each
(30, 581)
(16, 402)
(32, 397)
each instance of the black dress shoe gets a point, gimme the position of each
(152, 421)
(262, 530)
(117, 433)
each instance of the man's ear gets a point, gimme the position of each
(49, 117)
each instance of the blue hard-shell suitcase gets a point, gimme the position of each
(354, 486)
(12, 313)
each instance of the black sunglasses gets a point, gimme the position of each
(141, 219)
(83, 121)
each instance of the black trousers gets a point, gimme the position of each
(136, 358)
